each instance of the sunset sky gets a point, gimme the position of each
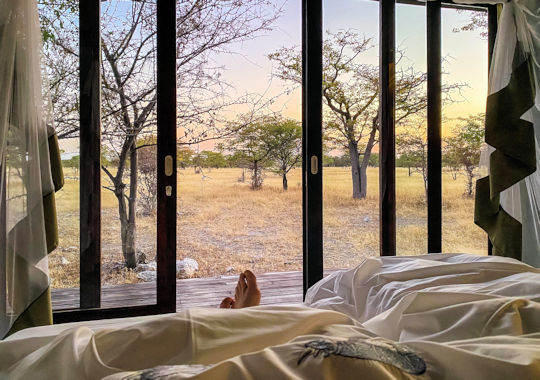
(465, 52)
(248, 70)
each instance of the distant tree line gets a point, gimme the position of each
(461, 150)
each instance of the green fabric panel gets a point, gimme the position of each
(512, 137)
(56, 163)
(514, 159)
(39, 313)
(49, 200)
(503, 230)
(51, 225)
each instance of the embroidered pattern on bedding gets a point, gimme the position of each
(384, 351)
(164, 371)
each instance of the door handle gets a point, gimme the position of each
(168, 165)
(314, 165)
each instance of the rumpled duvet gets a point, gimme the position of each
(423, 317)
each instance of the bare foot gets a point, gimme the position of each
(246, 294)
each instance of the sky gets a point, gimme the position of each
(249, 70)
(465, 52)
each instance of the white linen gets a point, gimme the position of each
(465, 316)
(51, 331)
(436, 297)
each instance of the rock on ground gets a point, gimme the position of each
(147, 275)
(186, 268)
(152, 265)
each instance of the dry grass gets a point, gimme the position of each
(224, 224)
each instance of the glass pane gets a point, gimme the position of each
(350, 107)
(411, 130)
(60, 69)
(240, 132)
(465, 46)
(128, 153)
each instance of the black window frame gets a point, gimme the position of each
(312, 179)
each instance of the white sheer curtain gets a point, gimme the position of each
(25, 175)
(519, 34)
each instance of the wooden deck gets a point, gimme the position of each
(276, 288)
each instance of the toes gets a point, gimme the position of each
(227, 303)
(242, 284)
(251, 280)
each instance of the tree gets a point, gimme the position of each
(328, 161)
(72, 163)
(374, 160)
(351, 92)
(147, 176)
(477, 20)
(60, 64)
(129, 84)
(450, 162)
(238, 160)
(184, 157)
(284, 140)
(343, 161)
(210, 159)
(249, 147)
(464, 147)
(411, 145)
(404, 160)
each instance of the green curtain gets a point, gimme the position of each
(39, 312)
(513, 139)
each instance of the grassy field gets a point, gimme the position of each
(227, 227)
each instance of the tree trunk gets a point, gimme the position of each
(470, 178)
(285, 184)
(363, 178)
(128, 244)
(256, 180)
(424, 177)
(243, 176)
(127, 212)
(355, 170)
(131, 249)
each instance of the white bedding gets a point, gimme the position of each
(437, 297)
(462, 316)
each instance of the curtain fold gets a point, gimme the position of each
(508, 199)
(30, 173)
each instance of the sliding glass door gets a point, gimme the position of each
(127, 159)
(139, 134)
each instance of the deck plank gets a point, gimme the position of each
(276, 287)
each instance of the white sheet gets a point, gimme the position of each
(466, 317)
(437, 297)
(48, 332)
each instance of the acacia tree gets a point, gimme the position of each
(350, 94)
(249, 148)
(284, 138)
(184, 157)
(210, 159)
(464, 146)
(205, 27)
(478, 20)
(411, 145)
(450, 162)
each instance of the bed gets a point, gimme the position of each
(438, 316)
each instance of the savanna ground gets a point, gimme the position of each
(227, 227)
